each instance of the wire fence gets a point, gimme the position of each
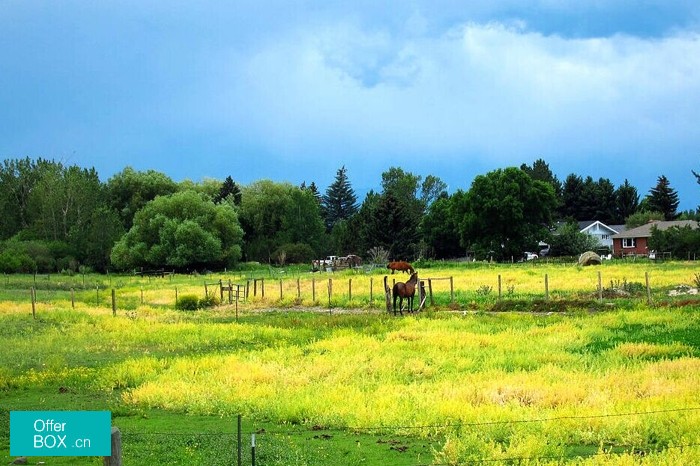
(363, 293)
(275, 446)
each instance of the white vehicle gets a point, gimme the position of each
(530, 256)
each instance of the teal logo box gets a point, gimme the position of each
(60, 433)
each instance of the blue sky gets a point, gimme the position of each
(292, 90)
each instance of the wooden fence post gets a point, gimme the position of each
(298, 288)
(114, 302)
(72, 298)
(500, 294)
(430, 291)
(240, 442)
(142, 295)
(600, 286)
(349, 289)
(387, 294)
(176, 296)
(452, 291)
(371, 285)
(330, 291)
(313, 289)
(32, 293)
(238, 291)
(116, 458)
(546, 287)
(646, 276)
(280, 289)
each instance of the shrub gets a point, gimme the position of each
(188, 302)
(210, 301)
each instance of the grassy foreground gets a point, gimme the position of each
(617, 387)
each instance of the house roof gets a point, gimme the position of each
(588, 224)
(644, 231)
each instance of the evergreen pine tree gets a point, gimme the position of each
(314, 190)
(229, 188)
(664, 199)
(339, 202)
(627, 201)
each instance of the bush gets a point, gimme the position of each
(12, 261)
(188, 302)
(210, 301)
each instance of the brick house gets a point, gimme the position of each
(636, 240)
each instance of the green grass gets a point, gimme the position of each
(569, 380)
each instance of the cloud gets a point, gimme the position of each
(492, 90)
(368, 84)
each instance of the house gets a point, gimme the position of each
(602, 232)
(636, 240)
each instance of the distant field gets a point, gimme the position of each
(610, 384)
(451, 285)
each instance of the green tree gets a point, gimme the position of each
(314, 190)
(569, 241)
(273, 214)
(642, 217)
(627, 201)
(17, 181)
(129, 190)
(340, 202)
(229, 190)
(662, 198)
(209, 187)
(63, 200)
(393, 228)
(183, 230)
(540, 171)
(504, 213)
(571, 197)
(103, 230)
(605, 202)
(681, 242)
(404, 201)
(432, 189)
(364, 228)
(439, 231)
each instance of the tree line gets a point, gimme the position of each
(64, 218)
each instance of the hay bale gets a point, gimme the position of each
(589, 258)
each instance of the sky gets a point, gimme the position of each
(293, 90)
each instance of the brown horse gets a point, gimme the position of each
(405, 290)
(401, 266)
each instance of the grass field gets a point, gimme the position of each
(611, 382)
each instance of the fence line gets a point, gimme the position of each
(238, 434)
(356, 292)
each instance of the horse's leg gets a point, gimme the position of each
(395, 303)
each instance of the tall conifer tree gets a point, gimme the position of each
(339, 202)
(664, 199)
